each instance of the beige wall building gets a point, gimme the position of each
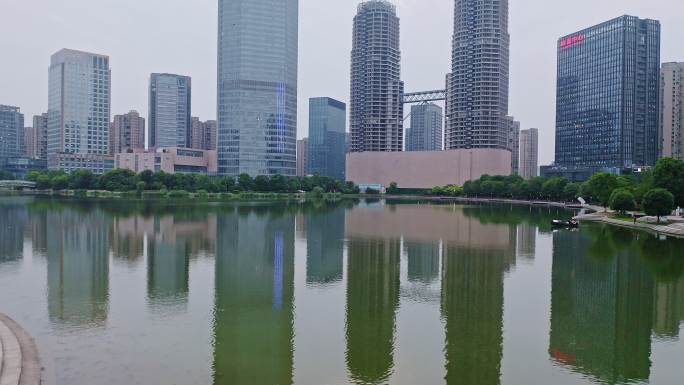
(169, 159)
(302, 157)
(426, 169)
(203, 134)
(127, 132)
(529, 153)
(514, 143)
(672, 111)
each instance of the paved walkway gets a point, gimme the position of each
(19, 361)
(672, 229)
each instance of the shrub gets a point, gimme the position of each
(178, 194)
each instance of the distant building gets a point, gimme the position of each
(171, 160)
(376, 107)
(607, 106)
(257, 87)
(513, 128)
(672, 110)
(302, 157)
(128, 132)
(425, 133)
(11, 132)
(203, 134)
(79, 100)
(38, 137)
(529, 153)
(29, 142)
(170, 110)
(477, 87)
(327, 138)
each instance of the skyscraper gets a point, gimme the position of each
(303, 157)
(39, 137)
(376, 110)
(11, 132)
(477, 88)
(128, 132)
(257, 86)
(425, 133)
(170, 110)
(513, 129)
(672, 110)
(203, 134)
(327, 138)
(79, 100)
(607, 106)
(529, 153)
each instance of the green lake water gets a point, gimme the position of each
(359, 292)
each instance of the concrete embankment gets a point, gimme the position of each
(19, 360)
(672, 229)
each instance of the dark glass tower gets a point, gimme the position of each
(477, 87)
(607, 106)
(327, 138)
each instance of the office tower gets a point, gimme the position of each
(170, 109)
(425, 133)
(302, 157)
(607, 106)
(376, 109)
(11, 132)
(327, 138)
(128, 132)
(477, 88)
(79, 100)
(39, 137)
(29, 142)
(257, 87)
(672, 110)
(513, 129)
(529, 153)
(203, 134)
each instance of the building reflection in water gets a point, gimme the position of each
(601, 306)
(13, 220)
(78, 267)
(324, 246)
(527, 241)
(254, 308)
(423, 261)
(128, 237)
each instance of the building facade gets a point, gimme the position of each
(513, 128)
(257, 87)
(327, 138)
(170, 160)
(425, 133)
(607, 103)
(303, 157)
(203, 134)
(11, 132)
(128, 132)
(672, 111)
(29, 142)
(79, 100)
(529, 153)
(376, 108)
(38, 138)
(170, 110)
(477, 87)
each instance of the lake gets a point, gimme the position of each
(357, 292)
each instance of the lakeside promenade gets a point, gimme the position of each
(19, 359)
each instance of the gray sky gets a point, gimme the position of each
(179, 36)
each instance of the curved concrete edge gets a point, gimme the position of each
(657, 229)
(29, 371)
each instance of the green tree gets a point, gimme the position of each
(43, 182)
(262, 183)
(6, 175)
(571, 191)
(669, 175)
(602, 185)
(118, 180)
(622, 200)
(317, 192)
(553, 188)
(82, 180)
(658, 202)
(147, 177)
(245, 182)
(393, 188)
(60, 182)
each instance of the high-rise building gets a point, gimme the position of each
(38, 137)
(128, 132)
(203, 134)
(302, 157)
(170, 110)
(327, 138)
(513, 129)
(11, 132)
(672, 111)
(257, 87)
(607, 103)
(477, 88)
(376, 109)
(529, 153)
(425, 133)
(79, 100)
(29, 142)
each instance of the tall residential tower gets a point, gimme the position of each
(257, 87)
(376, 110)
(128, 132)
(529, 153)
(672, 111)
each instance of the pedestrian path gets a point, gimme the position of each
(19, 362)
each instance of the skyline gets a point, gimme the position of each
(325, 32)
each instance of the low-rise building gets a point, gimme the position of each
(170, 160)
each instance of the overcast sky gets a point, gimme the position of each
(179, 36)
